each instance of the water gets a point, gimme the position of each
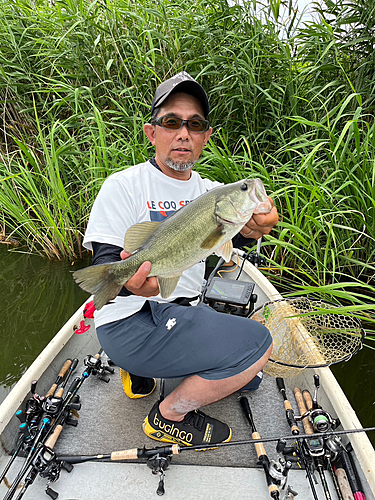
(38, 296)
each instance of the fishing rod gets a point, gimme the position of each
(291, 419)
(347, 463)
(43, 463)
(59, 412)
(314, 445)
(321, 421)
(30, 418)
(164, 454)
(289, 413)
(260, 450)
(176, 449)
(38, 442)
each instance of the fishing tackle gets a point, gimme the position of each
(349, 467)
(314, 444)
(60, 405)
(158, 464)
(176, 449)
(320, 419)
(289, 413)
(32, 415)
(301, 446)
(260, 450)
(290, 494)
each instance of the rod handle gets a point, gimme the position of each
(60, 376)
(308, 399)
(246, 409)
(302, 408)
(51, 441)
(60, 392)
(125, 454)
(52, 390)
(347, 465)
(344, 485)
(280, 384)
(259, 447)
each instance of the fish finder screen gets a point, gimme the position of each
(230, 291)
(226, 290)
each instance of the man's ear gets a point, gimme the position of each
(150, 132)
(207, 135)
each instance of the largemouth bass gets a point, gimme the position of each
(195, 231)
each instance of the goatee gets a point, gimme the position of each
(179, 166)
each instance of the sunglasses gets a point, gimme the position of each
(174, 123)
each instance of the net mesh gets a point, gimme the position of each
(307, 334)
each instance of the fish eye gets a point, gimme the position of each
(244, 187)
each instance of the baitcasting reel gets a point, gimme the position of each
(159, 464)
(98, 368)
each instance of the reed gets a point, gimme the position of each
(287, 104)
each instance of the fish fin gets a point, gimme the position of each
(225, 251)
(136, 235)
(213, 238)
(98, 281)
(167, 285)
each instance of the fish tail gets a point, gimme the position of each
(99, 281)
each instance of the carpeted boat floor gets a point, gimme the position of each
(110, 421)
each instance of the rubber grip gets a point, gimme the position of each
(74, 364)
(246, 409)
(302, 408)
(344, 485)
(51, 441)
(280, 384)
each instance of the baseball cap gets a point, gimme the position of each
(182, 82)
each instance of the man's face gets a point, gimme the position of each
(180, 147)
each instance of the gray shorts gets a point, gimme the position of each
(173, 341)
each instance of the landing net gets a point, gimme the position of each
(307, 334)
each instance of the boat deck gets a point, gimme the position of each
(110, 421)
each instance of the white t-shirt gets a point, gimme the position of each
(138, 194)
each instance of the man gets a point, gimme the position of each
(151, 337)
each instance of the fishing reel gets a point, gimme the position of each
(159, 464)
(98, 368)
(47, 466)
(52, 405)
(322, 421)
(279, 471)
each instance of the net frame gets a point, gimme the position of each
(296, 323)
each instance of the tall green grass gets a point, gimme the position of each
(287, 105)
